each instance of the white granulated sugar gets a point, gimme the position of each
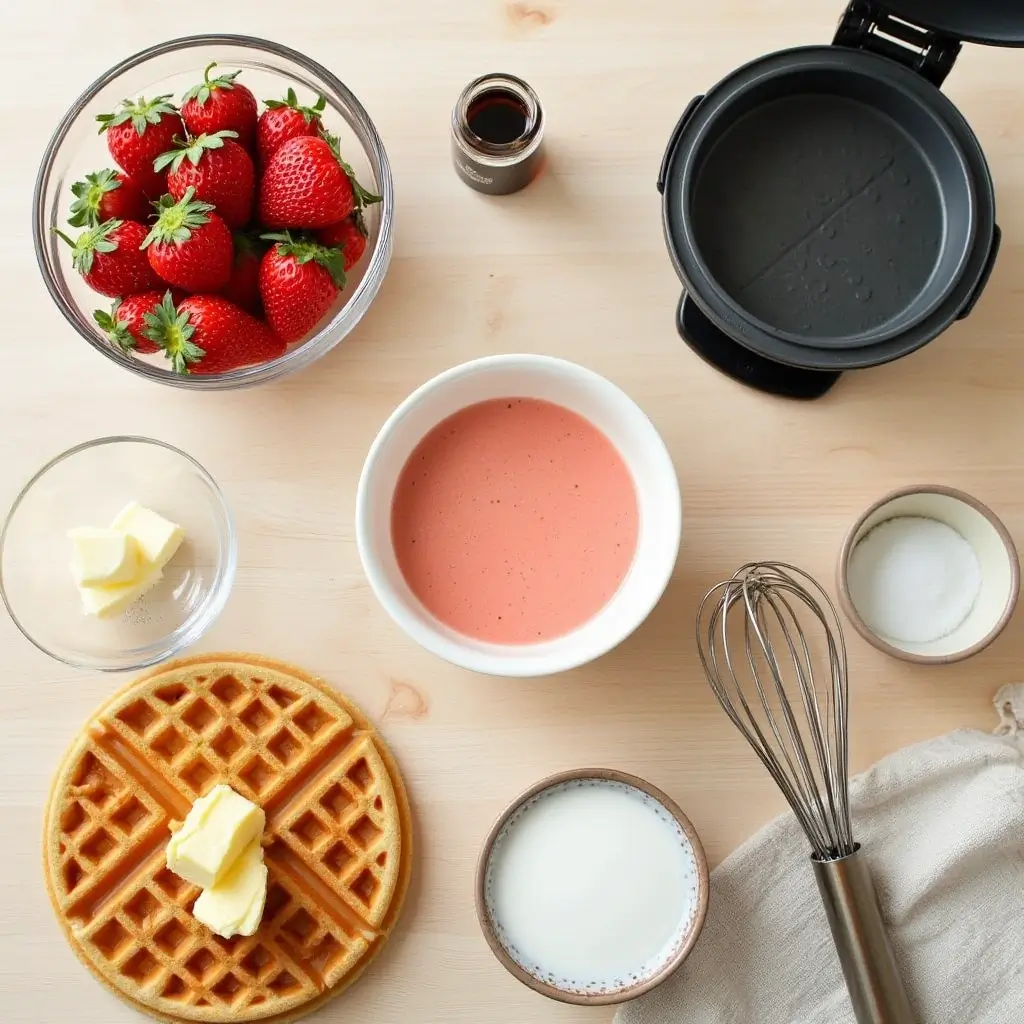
(913, 580)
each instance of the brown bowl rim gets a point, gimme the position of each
(597, 998)
(843, 585)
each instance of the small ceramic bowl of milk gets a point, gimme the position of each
(592, 887)
(928, 574)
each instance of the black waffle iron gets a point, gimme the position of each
(828, 208)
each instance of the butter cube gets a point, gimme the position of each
(158, 538)
(235, 904)
(102, 556)
(217, 829)
(107, 601)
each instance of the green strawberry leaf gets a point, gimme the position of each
(88, 243)
(173, 332)
(141, 113)
(363, 197)
(177, 219)
(292, 101)
(201, 92)
(85, 210)
(191, 150)
(117, 333)
(304, 250)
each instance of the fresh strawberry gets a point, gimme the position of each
(349, 235)
(363, 197)
(110, 259)
(220, 104)
(209, 334)
(129, 322)
(299, 282)
(189, 245)
(137, 133)
(107, 195)
(304, 186)
(218, 170)
(244, 287)
(284, 120)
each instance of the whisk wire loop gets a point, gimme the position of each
(772, 692)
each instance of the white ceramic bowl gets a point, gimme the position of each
(607, 408)
(997, 558)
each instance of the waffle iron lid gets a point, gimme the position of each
(994, 22)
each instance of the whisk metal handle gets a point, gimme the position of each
(862, 942)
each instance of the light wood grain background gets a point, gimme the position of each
(575, 266)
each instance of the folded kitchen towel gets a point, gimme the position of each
(942, 824)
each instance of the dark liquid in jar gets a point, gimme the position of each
(498, 117)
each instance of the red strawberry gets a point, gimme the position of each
(131, 321)
(364, 198)
(189, 245)
(110, 259)
(299, 282)
(284, 120)
(218, 170)
(220, 104)
(244, 287)
(208, 334)
(349, 235)
(304, 186)
(107, 195)
(137, 133)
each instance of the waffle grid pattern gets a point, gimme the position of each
(333, 841)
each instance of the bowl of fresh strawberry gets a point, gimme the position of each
(228, 223)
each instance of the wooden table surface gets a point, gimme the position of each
(575, 266)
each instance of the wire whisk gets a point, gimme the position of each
(795, 719)
(772, 647)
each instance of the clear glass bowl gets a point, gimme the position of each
(268, 69)
(87, 486)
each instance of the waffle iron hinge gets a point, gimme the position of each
(867, 25)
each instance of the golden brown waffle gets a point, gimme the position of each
(338, 839)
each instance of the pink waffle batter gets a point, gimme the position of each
(514, 520)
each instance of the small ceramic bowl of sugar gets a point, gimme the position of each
(592, 887)
(928, 574)
(518, 515)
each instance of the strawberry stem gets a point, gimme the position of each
(88, 243)
(141, 113)
(305, 250)
(292, 101)
(173, 332)
(85, 210)
(191, 150)
(117, 333)
(177, 220)
(363, 197)
(202, 92)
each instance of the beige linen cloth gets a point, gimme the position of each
(942, 823)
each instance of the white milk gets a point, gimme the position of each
(592, 885)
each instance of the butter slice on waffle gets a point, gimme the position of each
(338, 841)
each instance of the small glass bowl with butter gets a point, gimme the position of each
(87, 599)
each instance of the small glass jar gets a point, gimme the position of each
(497, 134)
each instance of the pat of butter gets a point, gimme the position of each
(107, 601)
(217, 829)
(158, 538)
(234, 905)
(102, 556)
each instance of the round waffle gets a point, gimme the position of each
(337, 842)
